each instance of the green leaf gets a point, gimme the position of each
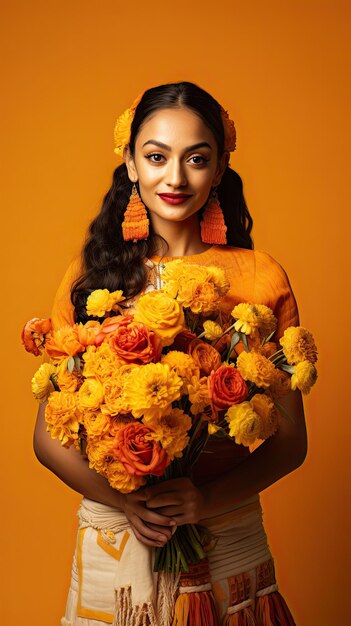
(244, 340)
(288, 368)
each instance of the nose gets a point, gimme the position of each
(175, 175)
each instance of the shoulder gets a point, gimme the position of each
(268, 268)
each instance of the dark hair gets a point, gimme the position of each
(111, 263)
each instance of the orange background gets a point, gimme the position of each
(282, 70)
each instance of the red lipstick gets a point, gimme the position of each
(174, 198)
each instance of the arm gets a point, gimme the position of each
(73, 469)
(276, 457)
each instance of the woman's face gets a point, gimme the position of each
(175, 152)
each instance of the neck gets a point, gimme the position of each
(183, 237)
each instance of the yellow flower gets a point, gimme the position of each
(171, 430)
(304, 376)
(99, 452)
(195, 286)
(183, 365)
(219, 278)
(160, 313)
(198, 394)
(65, 379)
(256, 368)
(119, 478)
(113, 387)
(244, 423)
(101, 300)
(122, 130)
(253, 319)
(269, 416)
(90, 395)
(101, 362)
(61, 417)
(96, 423)
(212, 330)
(41, 383)
(212, 428)
(298, 345)
(151, 389)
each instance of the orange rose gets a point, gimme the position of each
(88, 334)
(134, 342)
(63, 342)
(33, 334)
(226, 387)
(109, 325)
(139, 454)
(205, 356)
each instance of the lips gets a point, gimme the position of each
(175, 195)
(174, 198)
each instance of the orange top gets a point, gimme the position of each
(254, 276)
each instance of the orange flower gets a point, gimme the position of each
(171, 431)
(63, 342)
(66, 380)
(33, 334)
(205, 356)
(280, 386)
(100, 362)
(183, 365)
(198, 394)
(61, 417)
(134, 342)
(139, 454)
(268, 349)
(114, 401)
(88, 334)
(226, 387)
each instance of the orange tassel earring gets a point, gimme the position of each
(213, 228)
(135, 224)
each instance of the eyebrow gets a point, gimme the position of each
(201, 144)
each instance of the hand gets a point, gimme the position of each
(150, 527)
(178, 498)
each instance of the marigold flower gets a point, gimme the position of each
(281, 385)
(138, 452)
(263, 405)
(197, 287)
(198, 394)
(212, 330)
(244, 423)
(161, 313)
(120, 479)
(42, 386)
(63, 342)
(96, 423)
(171, 430)
(33, 334)
(101, 362)
(102, 300)
(62, 418)
(89, 334)
(183, 365)
(90, 395)
(298, 345)
(226, 387)
(268, 349)
(150, 390)
(256, 368)
(99, 452)
(113, 388)
(304, 376)
(66, 380)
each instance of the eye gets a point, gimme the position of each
(155, 154)
(198, 156)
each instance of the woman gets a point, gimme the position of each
(177, 155)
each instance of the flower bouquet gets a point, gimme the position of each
(141, 391)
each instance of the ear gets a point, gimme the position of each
(130, 165)
(223, 163)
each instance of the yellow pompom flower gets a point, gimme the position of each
(304, 376)
(160, 313)
(99, 452)
(263, 405)
(66, 380)
(41, 383)
(61, 417)
(212, 330)
(183, 365)
(151, 389)
(256, 368)
(90, 395)
(113, 388)
(298, 345)
(119, 478)
(254, 318)
(101, 362)
(102, 300)
(198, 394)
(122, 130)
(96, 423)
(244, 423)
(218, 277)
(171, 430)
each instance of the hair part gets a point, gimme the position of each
(111, 263)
